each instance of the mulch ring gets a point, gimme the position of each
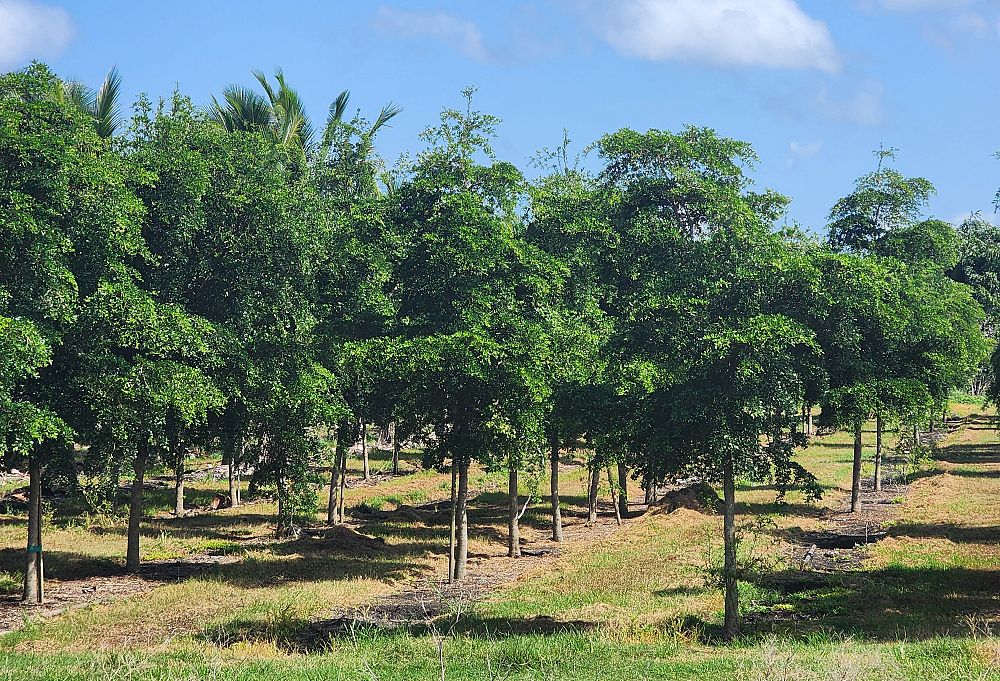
(115, 584)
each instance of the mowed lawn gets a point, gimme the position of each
(630, 604)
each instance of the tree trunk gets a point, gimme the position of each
(615, 496)
(364, 450)
(878, 452)
(856, 475)
(731, 626)
(454, 516)
(238, 445)
(34, 573)
(809, 420)
(622, 490)
(395, 449)
(916, 435)
(179, 485)
(281, 529)
(345, 452)
(513, 528)
(557, 533)
(462, 520)
(135, 503)
(595, 481)
(331, 505)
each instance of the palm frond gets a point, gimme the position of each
(76, 93)
(107, 116)
(388, 112)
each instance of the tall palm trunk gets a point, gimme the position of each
(557, 530)
(135, 503)
(34, 573)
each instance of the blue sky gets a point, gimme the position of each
(815, 85)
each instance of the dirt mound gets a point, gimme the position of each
(340, 537)
(700, 497)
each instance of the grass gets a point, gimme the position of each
(631, 604)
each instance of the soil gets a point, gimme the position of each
(843, 541)
(114, 584)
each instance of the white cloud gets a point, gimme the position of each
(461, 34)
(770, 33)
(31, 31)
(805, 150)
(801, 151)
(865, 106)
(915, 5)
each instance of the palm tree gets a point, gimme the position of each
(280, 114)
(102, 105)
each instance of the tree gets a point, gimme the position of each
(472, 297)
(566, 222)
(881, 202)
(697, 284)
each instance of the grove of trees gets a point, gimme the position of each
(241, 280)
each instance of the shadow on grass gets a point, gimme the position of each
(891, 604)
(969, 454)
(956, 533)
(299, 635)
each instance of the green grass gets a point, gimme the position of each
(634, 604)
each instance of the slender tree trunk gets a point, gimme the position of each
(281, 530)
(595, 481)
(235, 461)
(809, 421)
(731, 626)
(34, 573)
(331, 505)
(345, 452)
(622, 489)
(395, 449)
(916, 435)
(557, 533)
(179, 485)
(135, 503)
(856, 475)
(878, 452)
(513, 527)
(454, 521)
(364, 450)
(462, 528)
(615, 496)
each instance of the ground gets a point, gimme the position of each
(220, 599)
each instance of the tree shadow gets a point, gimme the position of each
(957, 533)
(969, 454)
(890, 604)
(300, 635)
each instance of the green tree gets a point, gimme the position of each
(472, 298)
(70, 221)
(881, 202)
